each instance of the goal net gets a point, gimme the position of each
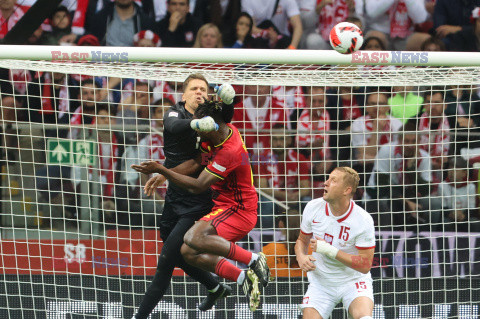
(80, 239)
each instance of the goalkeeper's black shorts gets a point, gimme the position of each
(180, 206)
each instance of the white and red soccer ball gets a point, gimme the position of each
(346, 38)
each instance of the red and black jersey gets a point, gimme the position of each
(230, 162)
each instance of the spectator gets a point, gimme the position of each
(373, 44)
(202, 10)
(208, 36)
(61, 23)
(309, 18)
(178, 28)
(356, 20)
(344, 105)
(130, 195)
(81, 12)
(11, 13)
(258, 113)
(282, 174)
(463, 114)
(56, 195)
(240, 33)
(452, 16)
(269, 35)
(295, 101)
(404, 104)
(11, 110)
(118, 22)
(146, 38)
(53, 181)
(432, 44)
(108, 153)
(328, 13)
(434, 129)
(395, 18)
(223, 12)
(373, 130)
(379, 35)
(108, 156)
(400, 182)
(165, 90)
(78, 13)
(466, 39)
(49, 98)
(137, 104)
(315, 118)
(88, 40)
(272, 14)
(458, 196)
(36, 37)
(85, 105)
(427, 26)
(134, 110)
(281, 255)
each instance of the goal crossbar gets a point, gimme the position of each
(315, 57)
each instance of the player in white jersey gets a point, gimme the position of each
(342, 237)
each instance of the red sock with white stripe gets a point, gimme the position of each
(227, 270)
(239, 254)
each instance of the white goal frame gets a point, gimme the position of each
(253, 66)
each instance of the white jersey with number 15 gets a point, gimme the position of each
(350, 233)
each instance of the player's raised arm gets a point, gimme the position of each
(193, 185)
(191, 167)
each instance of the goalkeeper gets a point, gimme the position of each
(182, 209)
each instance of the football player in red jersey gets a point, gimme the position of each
(212, 239)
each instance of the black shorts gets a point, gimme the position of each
(180, 206)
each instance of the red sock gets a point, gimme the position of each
(239, 254)
(227, 270)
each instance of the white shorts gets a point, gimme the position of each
(325, 298)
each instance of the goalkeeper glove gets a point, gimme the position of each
(205, 124)
(326, 249)
(226, 93)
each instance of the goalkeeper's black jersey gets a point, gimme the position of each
(181, 143)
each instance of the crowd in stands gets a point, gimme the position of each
(398, 136)
(282, 24)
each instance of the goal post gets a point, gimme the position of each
(79, 238)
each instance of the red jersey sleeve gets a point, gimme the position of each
(205, 147)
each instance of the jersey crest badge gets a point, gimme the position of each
(328, 238)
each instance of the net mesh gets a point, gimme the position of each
(80, 239)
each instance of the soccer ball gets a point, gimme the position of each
(346, 37)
